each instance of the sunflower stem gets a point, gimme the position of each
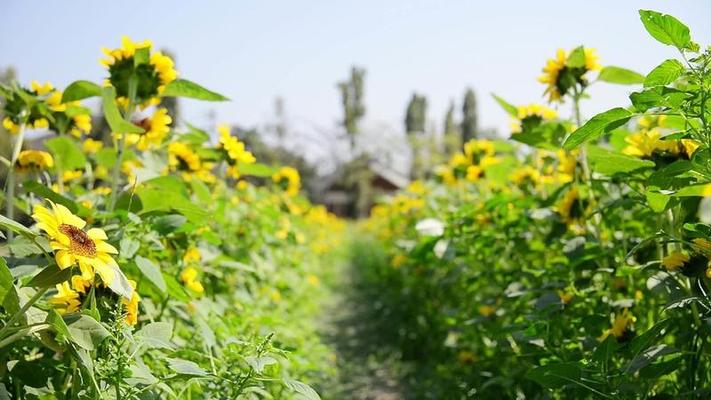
(121, 142)
(10, 183)
(23, 310)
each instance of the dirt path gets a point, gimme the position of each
(365, 370)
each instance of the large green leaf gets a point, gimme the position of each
(151, 272)
(508, 107)
(16, 227)
(156, 335)
(597, 126)
(113, 116)
(622, 76)
(79, 90)
(664, 74)
(256, 169)
(47, 193)
(189, 89)
(66, 152)
(553, 376)
(51, 276)
(666, 29)
(6, 280)
(85, 331)
(306, 391)
(185, 367)
(609, 162)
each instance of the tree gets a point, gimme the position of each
(452, 140)
(469, 116)
(352, 100)
(279, 112)
(416, 114)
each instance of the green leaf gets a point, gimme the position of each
(6, 280)
(609, 163)
(657, 201)
(576, 59)
(113, 116)
(185, 367)
(60, 327)
(47, 193)
(202, 192)
(256, 169)
(605, 350)
(189, 89)
(597, 126)
(301, 388)
(15, 227)
(694, 191)
(66, 152)
(554, 376)
(142, 56)
(120, 284)
(666, 29)
(258, 363)
(79, 90)
(509, 108)
(50, 276)
(85, 331)
(622, 76)
(156, 335)
(128, 247)
(664, 74)
(166, 224)
(152, 272)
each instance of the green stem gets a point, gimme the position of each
(22, 310)
(10, 184)
(120, 144)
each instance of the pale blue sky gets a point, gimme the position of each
(253, 51)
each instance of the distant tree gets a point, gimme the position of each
(280, 114)
(416, 114)
(469, 116)
(352, 100)
(449, 125)
(452, 140)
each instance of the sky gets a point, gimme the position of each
(254, 51)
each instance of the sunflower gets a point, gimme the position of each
(530, 116)
(154, 70)
(560, 76)
(675, 260)
(182, 158)
(73, 245)
(189, 277)
(34, 160)
(192, 255)
(568, 207)
(620, 325)
(233, 151)
(66, 300)
(91, 146)
(131, 306)
(292, 178)
(156, 129)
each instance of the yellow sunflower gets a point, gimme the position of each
(34, 160)
(292, 178)
(131, 306)
(189, 277)
(66, 300)
(182, 158)
(531, 116)
(156, 129)
(73, 245)
(234, 151)
(153, 72)
(559, 77)
(620, 325)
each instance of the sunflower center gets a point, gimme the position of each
(79, 242)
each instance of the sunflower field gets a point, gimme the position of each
(570, 261)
